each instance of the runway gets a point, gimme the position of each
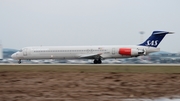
(98, 64)
(123, 68)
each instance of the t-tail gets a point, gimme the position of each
(155, 39)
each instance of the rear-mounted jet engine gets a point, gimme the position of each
(132, 51)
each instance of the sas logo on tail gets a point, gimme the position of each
(152, 42)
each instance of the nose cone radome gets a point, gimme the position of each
(13, 56)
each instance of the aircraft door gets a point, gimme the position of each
(113, 51)
(25, 52)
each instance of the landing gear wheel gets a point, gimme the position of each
(19, 61)
(97, 61)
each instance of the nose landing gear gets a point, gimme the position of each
(19, 61)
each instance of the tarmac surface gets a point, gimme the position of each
(86, 86)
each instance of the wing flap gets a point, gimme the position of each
(91, 56)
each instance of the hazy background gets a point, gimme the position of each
(87, 22)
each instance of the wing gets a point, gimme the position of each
(91, 56)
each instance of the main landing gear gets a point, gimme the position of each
(19, 61)
(97, 61)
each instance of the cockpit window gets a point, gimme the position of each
(20, 50)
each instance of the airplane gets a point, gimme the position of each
(97, 53)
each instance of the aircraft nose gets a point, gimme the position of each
(13, 56)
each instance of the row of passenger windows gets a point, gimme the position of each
(67, 50)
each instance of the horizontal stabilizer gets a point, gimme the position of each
(162, 32)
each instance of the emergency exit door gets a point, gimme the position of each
(113, 51)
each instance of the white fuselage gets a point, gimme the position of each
(81, 52)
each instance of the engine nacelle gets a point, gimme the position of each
(130, 51)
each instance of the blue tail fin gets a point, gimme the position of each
(155, 38)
